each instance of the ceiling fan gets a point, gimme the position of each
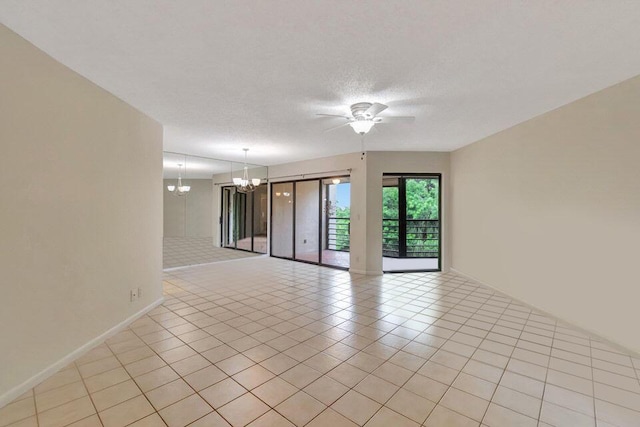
(364, 117)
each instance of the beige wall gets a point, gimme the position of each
(549, 212)
(81, 220)
(190, 215)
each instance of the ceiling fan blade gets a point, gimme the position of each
(334, 115)
(336, 127)
(397, 118)
(375, 109)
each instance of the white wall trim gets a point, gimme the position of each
(182, 267)
(19, 390)
(533, 307)
(365, 272)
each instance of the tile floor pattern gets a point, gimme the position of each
(279, 343)
(183, 251)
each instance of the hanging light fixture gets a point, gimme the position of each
(180, 189)
(244, 185)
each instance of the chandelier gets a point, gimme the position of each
(180, 189)
(244, 185)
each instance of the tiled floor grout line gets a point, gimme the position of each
(353, 387)
(35, 405)
(228, 377)
(461, 369)
(454, 379)
(368, 374)
(593, 383)
(405, 382)
(546, 376)
(505, 370)
(180, 377)
(84, 384)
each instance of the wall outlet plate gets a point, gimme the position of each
(134, 294)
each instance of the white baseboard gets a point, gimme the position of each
(182, 267)
(585, 331)
(365, 272)
(19, 390)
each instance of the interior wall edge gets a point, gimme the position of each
(47, 372)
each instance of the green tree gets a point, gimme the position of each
(421, 210)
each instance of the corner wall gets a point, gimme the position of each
(549, 212)
(81, 219)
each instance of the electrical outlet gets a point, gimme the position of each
(134, 294)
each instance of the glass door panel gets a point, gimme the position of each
(411, 223)
(390, 218)
(422, 216)
(282, 220)
(336, 222)
(260, 219)
(243, 209)
(228, 219)
(307, 215)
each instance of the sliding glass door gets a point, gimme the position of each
(307, 221)
(336, 196)
(282, 220)
(310, 221)
(411, 223)
(244, 219)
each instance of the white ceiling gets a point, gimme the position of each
(223, 75)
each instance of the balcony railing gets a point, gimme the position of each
(338, 234)
(422, 238)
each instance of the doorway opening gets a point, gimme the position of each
(411, 224)
(310, 221)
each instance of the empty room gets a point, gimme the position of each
(320, 213)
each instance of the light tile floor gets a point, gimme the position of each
(279, 343)
(183, 251)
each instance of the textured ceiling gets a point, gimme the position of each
(223, 75)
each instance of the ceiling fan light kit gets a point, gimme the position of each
(363, 117)
(362, 126)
